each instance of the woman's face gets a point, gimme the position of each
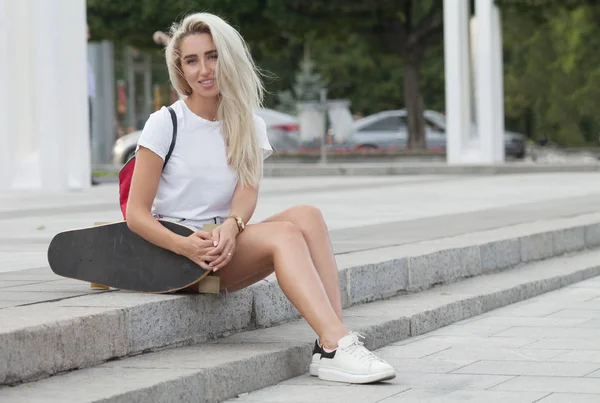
(198, 63)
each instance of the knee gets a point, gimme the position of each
(308, 215)
(284, 234)
(288, 232)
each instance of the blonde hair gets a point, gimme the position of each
(240, 87)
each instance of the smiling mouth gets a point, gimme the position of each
(207, 81)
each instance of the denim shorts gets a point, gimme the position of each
(196, 224)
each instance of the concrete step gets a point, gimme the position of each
(247, 361)
(40, 340)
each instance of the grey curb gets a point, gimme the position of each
(29, 352)
(379, 169)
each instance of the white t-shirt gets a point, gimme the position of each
(197, 183)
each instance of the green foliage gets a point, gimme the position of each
(552, 73)
(134, 21)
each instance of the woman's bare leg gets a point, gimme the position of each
(312, 225)
(281, 245)
(248, 281)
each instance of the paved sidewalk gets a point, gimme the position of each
(544, 350)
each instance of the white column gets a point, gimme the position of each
(45, 97)
(489, 92)
(5, 138)
(459, 144)
(499, 83)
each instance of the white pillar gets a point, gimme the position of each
(5, 139)
(499, 83)
(459, 143)
(489, 86)
(45, 105)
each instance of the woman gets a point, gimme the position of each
(213, 177)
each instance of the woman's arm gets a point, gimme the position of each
(243, 205)
(144, 185)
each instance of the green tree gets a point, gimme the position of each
(405, 29)
(552, 70)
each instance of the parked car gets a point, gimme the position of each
(283, 131)
(389, 130)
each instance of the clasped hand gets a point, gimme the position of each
(213, 250)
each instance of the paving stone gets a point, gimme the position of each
(581, 356)
(54, 286)
(595, 323)
(430, 364)
(570, 398)
(449, 381)
(453, 341)
(566, 344)
(324, 393)
(595, 374)
(498, 353)
(529, 310)
(471, 330)
(14, 283)
(572, 295)
(551, 384)
(39, 274)
(461, 396)
(413, 350)
(528, 368)
(556, 332)
(494, 320)
(31, 296)
(576, 313)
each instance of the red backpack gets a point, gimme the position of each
(126, 173)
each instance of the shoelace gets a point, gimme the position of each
(359, 350)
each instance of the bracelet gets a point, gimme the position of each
(238, 220)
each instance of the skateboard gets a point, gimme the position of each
(111, 255)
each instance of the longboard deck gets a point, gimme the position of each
(115, 256)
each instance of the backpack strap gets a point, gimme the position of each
(174, 140)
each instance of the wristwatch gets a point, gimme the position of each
(239, 222)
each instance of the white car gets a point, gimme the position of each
(389, 130)
(283, 131)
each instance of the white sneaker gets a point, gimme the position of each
(313, 370)
(351, 362)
